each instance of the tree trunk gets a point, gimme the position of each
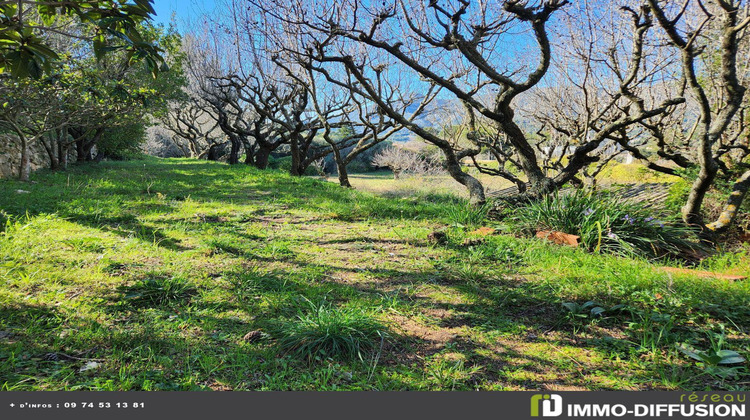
(61, 153)
(303, 165)
(87, 151)
(80, 155)
(51, 148)
(249, 152)
(24, 171)
(691, 212)
(64, 149)
(739, 191)
(88, 145)
(212, 154)
(296, 158)
(540, 184)
(341, 169)
(84, 145)
(234, 153)
(262, 156)
(476, 190)
(54, 162)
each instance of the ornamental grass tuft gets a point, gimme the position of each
(608, 224)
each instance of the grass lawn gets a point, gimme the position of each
(188, 275)
(424, 187)
(427, 187)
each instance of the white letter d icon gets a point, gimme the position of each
(553, 406)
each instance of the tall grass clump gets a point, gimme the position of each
(467, 216)
(158, 291)
(324, 331)
(606, 223)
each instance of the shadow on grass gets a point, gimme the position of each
(129, 184)
(168, 337)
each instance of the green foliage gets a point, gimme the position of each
(587, 310)
(712, 357)
(85, 244)
(25, 51)
(496, 252)
(713, 202)
(652, 329)
(123, 142)
(324, 331)
(5, 221)
(91, 101)
(281, 163)
(716, 360)
(678, 194)
(606, 223)
(577, 314)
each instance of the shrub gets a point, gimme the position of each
(326, 331)
(124, 142)
(678, 194)
(608, 224)
(282, 163)
(362, 162)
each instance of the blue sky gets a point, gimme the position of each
(182, 9)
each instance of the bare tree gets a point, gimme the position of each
(350, 122)
(208, 59)
(194, 128)
(191, 118)
(600, 91)
(458, 51)
(360, 125)
(258, 106)
(711, 128)
(370, 70)
(403, 161)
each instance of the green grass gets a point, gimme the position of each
(156, 291)
(621, 173)
(158, 269)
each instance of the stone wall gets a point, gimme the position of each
(10, 157)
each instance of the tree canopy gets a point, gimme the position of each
(105, 25)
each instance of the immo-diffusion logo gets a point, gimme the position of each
(710, 405)
(551, 405)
